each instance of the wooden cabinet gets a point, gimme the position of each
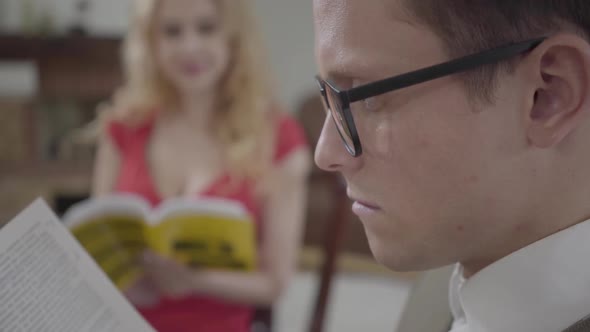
(81, 68)
(77, 70)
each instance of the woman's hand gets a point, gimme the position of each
(142, 294)
(171, 279)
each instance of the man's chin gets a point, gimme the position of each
(394, 264)
(401, 260)
(388, 256)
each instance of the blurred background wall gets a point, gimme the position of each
(286, 24)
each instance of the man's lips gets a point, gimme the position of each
(357, 199)
(367, 205)
(363, 210)
(362, 207)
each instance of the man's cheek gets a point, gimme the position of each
(384, 139)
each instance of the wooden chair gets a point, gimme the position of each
(325, 219)
(263, 320)
(334, 232)
(327, 212)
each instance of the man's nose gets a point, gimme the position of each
(331, 154)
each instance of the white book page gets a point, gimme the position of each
(49, 283)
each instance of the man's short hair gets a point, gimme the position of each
(469, 26)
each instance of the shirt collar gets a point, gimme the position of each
(544, 287)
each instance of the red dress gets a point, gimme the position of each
(195, 313)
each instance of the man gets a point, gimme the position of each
(462, 129)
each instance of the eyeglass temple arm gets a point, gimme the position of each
(437, 71)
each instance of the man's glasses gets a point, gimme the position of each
(338, 101)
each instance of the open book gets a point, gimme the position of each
(200, 232)
(49, 283)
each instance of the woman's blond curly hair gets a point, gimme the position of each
(242, 118)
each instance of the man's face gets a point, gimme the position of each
(441, 178)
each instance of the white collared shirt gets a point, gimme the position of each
(544, 287)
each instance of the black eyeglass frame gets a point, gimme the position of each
(373, 89)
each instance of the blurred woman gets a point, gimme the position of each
(196, 117)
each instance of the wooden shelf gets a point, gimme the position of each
(82, 68)
(16, 47)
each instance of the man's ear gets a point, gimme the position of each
(560, 69)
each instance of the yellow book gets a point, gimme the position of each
(200, 232)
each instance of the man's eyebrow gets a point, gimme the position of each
(347, 71)
(338, 76)
(345, 77)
